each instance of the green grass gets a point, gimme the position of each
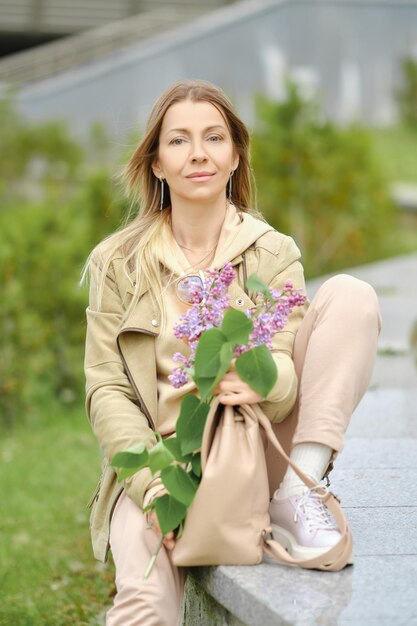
(48, 576)
(396, 152)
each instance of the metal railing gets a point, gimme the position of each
(55, 57)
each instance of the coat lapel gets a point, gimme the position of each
(136, 341)
(137, 344)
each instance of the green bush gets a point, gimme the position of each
(320, 184)
(43, 246)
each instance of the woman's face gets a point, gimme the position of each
(196, 153)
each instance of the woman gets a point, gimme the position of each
(191, 172)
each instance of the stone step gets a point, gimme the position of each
(377, 590)
(385, 413)
(376, 479)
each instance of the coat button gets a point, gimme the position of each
(240, 301)
(155, 323)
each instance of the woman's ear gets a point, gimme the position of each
(235, 162)
(156, 169)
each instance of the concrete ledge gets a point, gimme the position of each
(375, 591)
(378, 487)
(201, 608)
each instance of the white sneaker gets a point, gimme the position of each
(303, 525)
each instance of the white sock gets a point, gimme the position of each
(312, 459)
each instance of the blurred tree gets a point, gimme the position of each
(407, 95)
(319, 183)
(55, 206)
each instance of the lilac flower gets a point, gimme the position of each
(180, 358)
(270, 317)
(210, 301)
(178, 378)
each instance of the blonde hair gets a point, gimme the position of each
(140, 240)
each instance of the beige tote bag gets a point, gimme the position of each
(228, 521)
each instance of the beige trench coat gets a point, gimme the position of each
(120, 366)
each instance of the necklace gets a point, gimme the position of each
(208, 252)
(191, 250)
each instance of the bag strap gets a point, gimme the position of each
(337, 557)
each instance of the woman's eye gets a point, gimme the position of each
(177, 142)
(215, 138)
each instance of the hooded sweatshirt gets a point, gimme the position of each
(237, 234)
(239, 231)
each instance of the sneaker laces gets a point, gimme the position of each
(317, 515)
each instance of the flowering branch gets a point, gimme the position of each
(215, 334)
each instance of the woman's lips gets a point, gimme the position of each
(199, 178)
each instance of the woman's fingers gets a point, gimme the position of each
(246, 397)
(225, 386)
(169, 541)
(233, 390)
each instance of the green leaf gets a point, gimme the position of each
(196, 464)
(131, 457)
(170, 513)
(126, 472)
(226, 355)
(159, 457)
(179, 484)
(254, 283)
(257, 368)
(174, 446)
(204, 386)
(236, 327)
(207, 353)
(190, 424)
(131, 461)
(180, 529)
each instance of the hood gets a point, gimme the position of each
(239, 231)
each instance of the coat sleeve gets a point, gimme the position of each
(281, 399)
(111, 404)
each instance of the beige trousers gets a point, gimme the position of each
(334, 353)
(152, 602)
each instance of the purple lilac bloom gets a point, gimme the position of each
(178, 378)
(270, 317)
(209, 304)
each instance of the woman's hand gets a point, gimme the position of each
(152, 518)
(232, 390)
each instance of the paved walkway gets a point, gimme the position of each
(376, 479)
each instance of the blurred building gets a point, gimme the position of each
(348, 52)
(27, 23)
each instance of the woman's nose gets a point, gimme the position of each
(197, 153)
(199, 158)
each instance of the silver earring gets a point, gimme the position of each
(162, 193)
(230, 186)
